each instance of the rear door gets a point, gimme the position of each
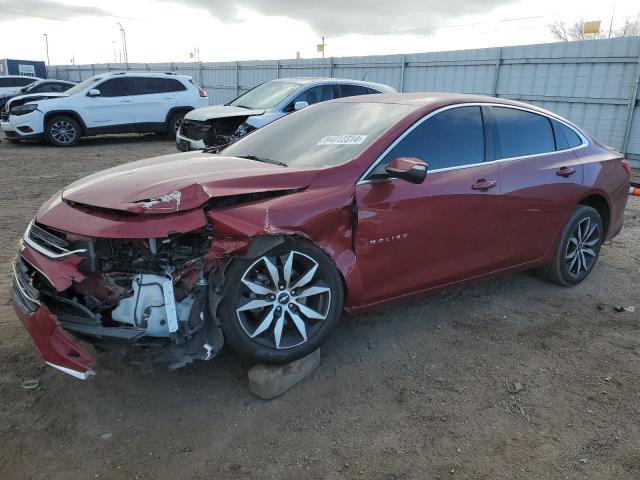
(112, 108)
(414, 237)
(153, 99)
(541, 178)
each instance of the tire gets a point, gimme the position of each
(63, 131)
(174, 124)
(578, 249)
(278, 324)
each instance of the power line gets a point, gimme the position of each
(420, 29)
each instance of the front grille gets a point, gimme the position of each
(194, 130)
(48, 242)
(4, 116)
(10, 134)
(24, 294)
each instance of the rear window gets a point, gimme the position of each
(353, 90)
(565, 137)
(522, 133)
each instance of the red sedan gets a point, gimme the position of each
(344, 205)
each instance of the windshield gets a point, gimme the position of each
(29, 87)
(83, 85)
(265, 96)
(322, 135)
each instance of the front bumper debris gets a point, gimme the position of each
(57, 349)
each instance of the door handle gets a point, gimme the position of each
(484, 185)
(125, 101)
(565, 172)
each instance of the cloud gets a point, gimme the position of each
(21, 9)
(340, 17)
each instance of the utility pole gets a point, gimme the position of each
(323, 45)
(124, 45)
(46, 42)
(613, 12)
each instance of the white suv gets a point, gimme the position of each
(109, 103)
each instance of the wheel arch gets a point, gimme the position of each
(600, 203)
(71, 113)
(184, 109)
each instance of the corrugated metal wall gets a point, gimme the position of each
(593, 83)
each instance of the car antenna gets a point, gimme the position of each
(364, 76)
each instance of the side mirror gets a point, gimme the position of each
(94, 92)
(300, 105)
(412, 170)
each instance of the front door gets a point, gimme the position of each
(414, 237)
(113, 107)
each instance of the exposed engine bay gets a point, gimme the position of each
(149, 293)
(217, 132)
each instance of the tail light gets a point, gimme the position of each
(203, 93)
(627, 166)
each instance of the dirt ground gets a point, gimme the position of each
(416, 391)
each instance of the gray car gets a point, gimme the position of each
(220, 125)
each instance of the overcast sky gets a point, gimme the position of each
(166, 31)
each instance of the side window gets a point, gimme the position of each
(372, 91)
(149, 85)
(22, 82)
(59, 87)
(565, 137)
(43, 87)
(353, 90)
(522, 133)
(5, 82)
(318, 94)
(116, 87)
(172, 85)
(451, 138)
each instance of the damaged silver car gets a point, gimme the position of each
(218, 126)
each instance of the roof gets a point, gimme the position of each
(323, 80)
(141, 74)
(425, 99)
(21, 76)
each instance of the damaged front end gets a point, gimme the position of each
(216, 133)
(140, 297)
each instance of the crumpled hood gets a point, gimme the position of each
(182, 181)
(30, 97)
(220, 111)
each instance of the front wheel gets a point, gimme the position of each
(578, 250)
(174, 124)
(63, 131)
(283, 305)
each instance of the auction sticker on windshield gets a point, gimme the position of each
(342, 140)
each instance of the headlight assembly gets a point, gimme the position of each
(24, 109)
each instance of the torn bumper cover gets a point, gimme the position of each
(57, 349)
(145, 298)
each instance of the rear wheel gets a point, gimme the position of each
(283, 305)
(578, 250)
(63, 131)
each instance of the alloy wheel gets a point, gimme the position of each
(178, 124)
(63, 132)
(581, 251)
(283, 300)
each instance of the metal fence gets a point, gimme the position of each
(594, 83)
